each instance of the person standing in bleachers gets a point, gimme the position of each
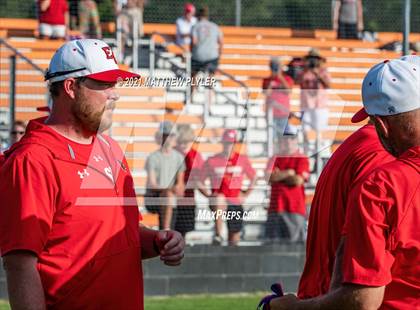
(314, 82)
(277, 89)
(184, 26)
(53, 19)
(348, 18)
(206, 45)
(186, 206)
(89, 21)
(286, 172)
(165, 176)
(226, 171)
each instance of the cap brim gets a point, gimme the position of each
(360, 115)
(112, 76)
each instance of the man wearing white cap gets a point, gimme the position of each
(377, 263)
(69, 231)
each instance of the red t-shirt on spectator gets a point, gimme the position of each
(286, 198)
(357, 156)
(382, 245)
(279, 98)
(193, 164)
(226, 174)
(55, 14)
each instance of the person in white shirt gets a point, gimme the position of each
(184, 25)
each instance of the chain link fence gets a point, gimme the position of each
(298, 14)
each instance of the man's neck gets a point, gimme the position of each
(68, 127)
(166, 149)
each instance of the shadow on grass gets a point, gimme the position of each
(203, 302)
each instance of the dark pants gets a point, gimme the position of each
(347, 31)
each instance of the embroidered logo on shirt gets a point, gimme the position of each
(108, 172)
(97, 158)
(83, 174)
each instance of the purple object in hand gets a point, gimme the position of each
(265, 302)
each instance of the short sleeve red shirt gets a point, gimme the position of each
(193, 164)
(356, 157)
(382, 245)
(74, 206)
(286, 198)
(279, 97)
(227, 174)
(55, 14)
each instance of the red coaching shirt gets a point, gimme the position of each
(226, 174)
(286, 198)
(382, 232)
(55, 14)
(357, 156)
(74, 206)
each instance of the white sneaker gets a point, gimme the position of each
(217, 240)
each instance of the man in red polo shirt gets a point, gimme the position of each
(356, 157)
(287, 172)
(226, 171)
(377, 260)
(69, 231)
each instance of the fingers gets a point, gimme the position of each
(173, 260)
(172, 241)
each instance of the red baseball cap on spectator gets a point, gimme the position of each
(230, 135)
(189, 8)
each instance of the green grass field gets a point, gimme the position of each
(202, 302)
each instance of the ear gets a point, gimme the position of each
(382, 126)
(69, 86)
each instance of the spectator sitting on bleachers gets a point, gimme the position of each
(184, 25)
(226, 172)
(287, 171)
(314, 82)
(165, 176)
(185, 213)
(207, 42)
(17, 132)
(89, 21)
(53, 19)
(277, 89)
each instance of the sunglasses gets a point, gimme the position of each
(17, 132)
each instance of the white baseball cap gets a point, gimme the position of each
(391, 87)
(85, 58)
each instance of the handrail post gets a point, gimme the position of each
(270, 130)
(151, 57)
(135, 44)
(188, 76)
(12, 92)
(119, 39)
(406, 27)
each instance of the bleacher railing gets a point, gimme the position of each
(12, 80)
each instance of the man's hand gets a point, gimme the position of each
(171, 247)
(287, 302)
